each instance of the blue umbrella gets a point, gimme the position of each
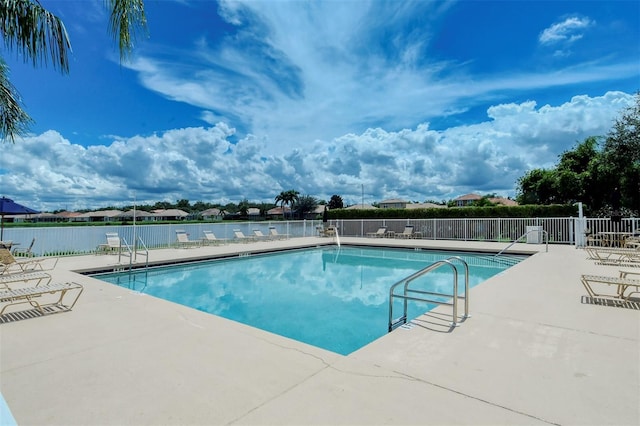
(10, 207)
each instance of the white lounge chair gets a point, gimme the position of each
(407, 233)
(183, 240)
(329, 231)
(8, 280)
(260, 236)
(621, 286)
(614, 256)
(275, 235)
(210, 238)
(41, 297)
(24, 251)
(12, 265)
(380, 233)
(114, 244)
(241, 237)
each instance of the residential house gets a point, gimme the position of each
(212, 214)
(170, 214)
(393, 203)
(140, 215)
(99, 216)
(276, 212)
(68, 216)
(466, 200)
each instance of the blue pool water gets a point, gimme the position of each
(333, 298)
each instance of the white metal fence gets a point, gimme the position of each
(57, 241)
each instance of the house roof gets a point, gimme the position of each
(393, 200)
(101, 213)
(425, 206)
(139, 213)
(170, 213)
(278, 210)
(503, 201)
(468, 197)
(211, 212)
(361, 207)
(69, 214)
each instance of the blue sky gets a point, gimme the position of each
(223, 101)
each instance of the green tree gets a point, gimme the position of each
(537, 186)
(183, 205)
(201, 206)
(305, 204)
(622, 155)
(264, 208)
(286, 198)
(243, 207)
(335, 202)
(162, 205)
(37, 35)
(483, 202)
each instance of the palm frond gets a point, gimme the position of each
(127, 17)
(14, 121)
(35, 33)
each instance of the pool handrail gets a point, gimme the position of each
(545, 233)
(393, 324)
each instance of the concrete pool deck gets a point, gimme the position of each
(533, 352)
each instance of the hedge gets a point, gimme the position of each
(556, 210)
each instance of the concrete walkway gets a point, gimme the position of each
(534, 352)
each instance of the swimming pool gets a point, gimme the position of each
(331, 297)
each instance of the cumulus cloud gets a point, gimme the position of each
(208, 164)
(567, 31)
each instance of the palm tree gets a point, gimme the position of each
(306, 204)
(39, 36)
(286, 198)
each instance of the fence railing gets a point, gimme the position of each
(58, 241)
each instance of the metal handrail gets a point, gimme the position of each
(145, 253)
(406, 297)
(123, 240)
(524, 235)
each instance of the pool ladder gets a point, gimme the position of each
(425, 296)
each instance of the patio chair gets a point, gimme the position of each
(380, 233)
(241, 237)
(275, 235)
(593, 239)
(114, 244)
(329, 231)
(621, 286)
(41, 297)
(632, 242)
(210, 238)
(8, 280)
(407, 233)
(11, 265)
(614, 256)
(24, 251)
(183, 240)
(260, 236)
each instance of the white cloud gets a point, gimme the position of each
(49, 171)
(567, 31)
(294, 69)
